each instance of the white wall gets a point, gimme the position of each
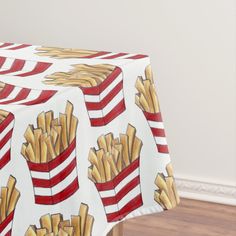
(192, 47)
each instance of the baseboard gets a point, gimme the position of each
(204, 191)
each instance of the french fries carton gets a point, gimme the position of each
(156, 125)
(146, 99)
(6, 225)
(105, 101)
(6, 129)
(121, 195)
(56, 180)
(115, 172)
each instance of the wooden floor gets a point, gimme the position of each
(191, 218)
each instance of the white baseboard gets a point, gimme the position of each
(204, 191)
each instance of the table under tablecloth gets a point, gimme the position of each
(82, 141)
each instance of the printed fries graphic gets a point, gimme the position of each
(115, 171)
(64, 53)
(102, 86)
(55, 225)
(6, 129)
(8, 200)
(51, 157)
(166, 195)
(146, 99)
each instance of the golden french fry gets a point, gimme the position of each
(148, 96)
(31, 231)
(107, 168)
(88, 225)
(75, 223)
(140, 86)
(68, 112)
(165, 200)
(69, 230)
(148, 73)
(41, 232)
(37, 134)
(102, 143)
(23, 151)
(48, 119)
(177, 198)
(64, 223)
(119, 147)
(131, 132)
(58, 141)
(3, 209)
(157, 199)
(13, 200)
(112, 164)
(171, 195)
(115, 154)
(46, 222)
(43, 149)
(96, 175)
(144, 103)
(54, 136)
(56, 219)
(160, 183)
(29, 136)
(83, 212)
(136, 149)
(93, 157)
(10, 186)
(169, 169)
(62, 118)
(73, 128)
(99, 156)
(55, 122)
(109, 138)
(50, 148)
(41, 121)
(30, 152)
(90, 174)
(124, 139)
(154, 98)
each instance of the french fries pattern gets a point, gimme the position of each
(64, 53)
(8, 201)
(81, 75)
(55, 225)
(102, 86)
(50, 148)
(114, 164)
(6, 129)
(166, 195)
(146, 99)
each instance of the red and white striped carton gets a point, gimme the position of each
(157, 127)
(6, 225)
(6, 129)
(22, 68)
(56, 180)
(106, 101)
(16, 95)
(122, 195)
(13, 46)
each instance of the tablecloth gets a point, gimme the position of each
(82, 141)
